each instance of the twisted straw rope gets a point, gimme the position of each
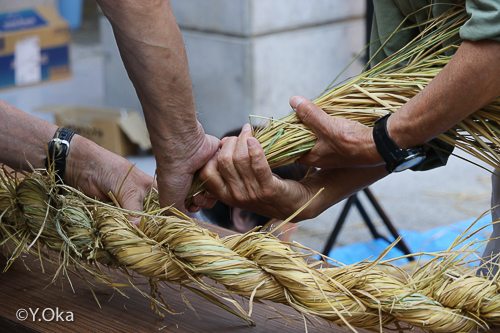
(441, 296)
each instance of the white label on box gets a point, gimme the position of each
(27, 59)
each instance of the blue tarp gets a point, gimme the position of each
(434, 240)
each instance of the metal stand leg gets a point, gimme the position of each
(340, 222)
(369, 223)
(394, 232)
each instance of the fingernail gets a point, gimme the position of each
(246, 127)
(295, 102)
(251, 142)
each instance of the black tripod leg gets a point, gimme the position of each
(401, 244)
(338, 225)
(367, 219)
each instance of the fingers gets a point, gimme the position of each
(242, 162)
(240, 171)
(317, 119)
(202, 201)
(241, 177)
(259, 164)
(226, 164)
(135, 188)
(134, 204)
(211, 145)
(212, 179)
(173, 189)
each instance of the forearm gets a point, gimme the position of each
(153, 52)
(23, 138)
(468, 82)
(337, 184)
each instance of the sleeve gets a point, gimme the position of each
(484, 22)
(436, 156)
(387, 17)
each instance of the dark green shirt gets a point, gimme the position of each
(484, 23)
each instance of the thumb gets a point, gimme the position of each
(310, 114)
(212, 144)
(134, 200)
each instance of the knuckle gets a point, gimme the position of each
(310, 108)
(310, 214)
(204, 174)
(307, 110)
(304, 113)
(224, 160)
(238, 196)
(241, 158)
(260, 172)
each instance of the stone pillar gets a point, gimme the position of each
(250, 56)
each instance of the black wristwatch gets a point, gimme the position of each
(57, 152)
(396, 159)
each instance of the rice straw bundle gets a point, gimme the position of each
(386, 88)
(442, 296)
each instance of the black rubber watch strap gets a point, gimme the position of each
(57, 152)
(386, 147)
(396, 159)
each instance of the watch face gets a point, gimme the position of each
(410, 161)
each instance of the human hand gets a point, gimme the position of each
(97, 171)
(240, 176)
(177, 166)
(341, 142)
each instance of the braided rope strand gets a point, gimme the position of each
(254, 265)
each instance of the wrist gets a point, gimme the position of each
(173, 149)
(81, 161)
(392, 130)
(299, 193)
(402, 131)
(369, 149)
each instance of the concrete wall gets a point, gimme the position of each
(118, 89)
(250, 56)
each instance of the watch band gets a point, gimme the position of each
(394, 156)
(57, 152)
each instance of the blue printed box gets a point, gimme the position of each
(34, 47)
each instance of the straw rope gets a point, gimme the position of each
(442, 296)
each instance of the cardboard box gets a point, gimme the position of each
(121, 131)
(34, 46)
